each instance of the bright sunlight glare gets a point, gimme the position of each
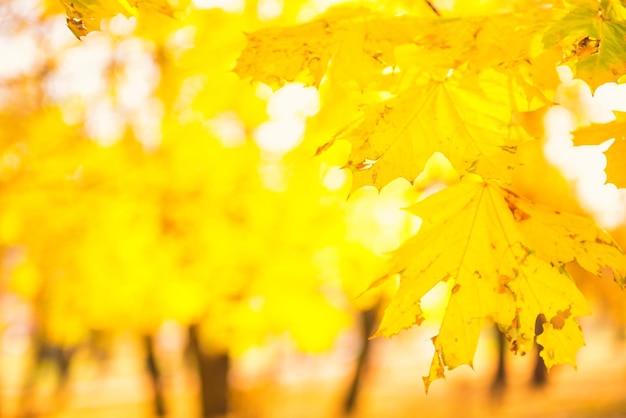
(288, 109)
(228, 128)
(279, 136)
(231, 6)
(82, 79)
(335, 178)
(269, 9)
(434, 302)
(584, 165)
(20, 54)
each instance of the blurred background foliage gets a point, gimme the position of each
(152, 201)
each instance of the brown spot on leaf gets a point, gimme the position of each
(365, 165)
(456, 288)
(587, 47)
(503, 281)
(515, 321)
(514, 346)
(558, 321)
(518, 213)
(324, 147)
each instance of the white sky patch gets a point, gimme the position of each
(393, 224)
(575, 95)
(294, 100)
(188, 91)
(28, 42)
(19, 55)
(378, 220)
(434, 302)
(136, 85)
(181, 41)
(390, 70)
(288, 109)
(110, 85)
(104, 123)
(82, 70)
(57, 36)
(228, 128)
(584, 165)
(263, 91)
(279, 136)
(611, 96)
(269, 9)
(121, 25)
(273, 176)
(146, 123)
(335, 178)
(231, 6)
(14, 12)
(139, 75)
(559, 122)
(313, 8)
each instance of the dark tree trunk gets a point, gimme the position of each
(155, 377)
(499, 383)
(213, 373)
(368, 323)
(540, 373)
(61, 359)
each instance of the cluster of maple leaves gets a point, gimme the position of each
(442, 109)
(470, 88)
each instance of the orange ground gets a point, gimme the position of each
(303, 387)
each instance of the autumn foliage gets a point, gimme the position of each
(275, 173)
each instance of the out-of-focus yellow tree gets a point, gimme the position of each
(144, 181)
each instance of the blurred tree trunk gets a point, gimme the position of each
(368, 324)
(540, 373)
(46, 352)
(155, 376)
(213, 372)
(499, 382)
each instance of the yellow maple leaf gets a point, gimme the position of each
(564, 337)
(505, 256)
(84, 16)
(591, 34)
(359, 42)
(396, 137)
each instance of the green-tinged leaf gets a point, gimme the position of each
(84, 16)
(592, 35)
